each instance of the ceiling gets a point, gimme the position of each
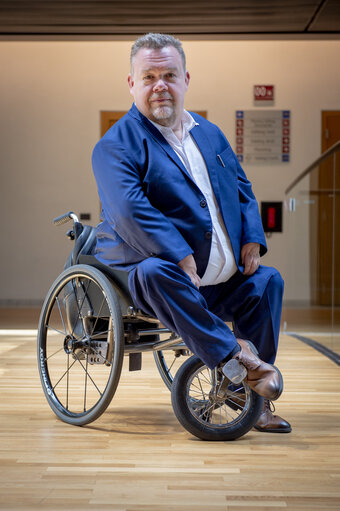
(121, 18)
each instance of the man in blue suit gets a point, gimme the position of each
(179, 214)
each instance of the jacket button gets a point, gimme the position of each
(208, 235)
(203, 203)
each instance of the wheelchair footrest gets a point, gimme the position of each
(135, 361)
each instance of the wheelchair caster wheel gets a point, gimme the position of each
(210, 406)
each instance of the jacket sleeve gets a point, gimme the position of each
(128, 209)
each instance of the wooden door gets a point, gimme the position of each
(328, 261)
(108, 119)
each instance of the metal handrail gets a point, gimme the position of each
(333, 149)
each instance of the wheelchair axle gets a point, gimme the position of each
(96, 351)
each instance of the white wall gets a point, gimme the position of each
(51, 96)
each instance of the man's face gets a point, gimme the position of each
(158, 84)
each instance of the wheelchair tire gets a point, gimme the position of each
(168, 362)
(80, 344)
(209, 416)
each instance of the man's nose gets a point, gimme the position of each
(160, 85)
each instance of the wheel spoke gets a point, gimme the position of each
(169, 368)
(82, 303)
(55, 353)
(207, 410)
(85, 389)
(229, 399)
(61, 315)
(200, 386)
(98, 315)
(99, 335)
(68, 379)
(49, 327)
(205, 378)
(227, 412)
(88, 374)
(66, 372)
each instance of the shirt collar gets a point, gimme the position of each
(188, 122)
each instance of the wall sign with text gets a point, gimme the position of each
(263, 93)
(263, 136)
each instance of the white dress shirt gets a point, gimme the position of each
(221, 265)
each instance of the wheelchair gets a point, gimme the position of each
(88, 323)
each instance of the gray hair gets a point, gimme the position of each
(156, 41)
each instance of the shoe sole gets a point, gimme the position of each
(264, 430)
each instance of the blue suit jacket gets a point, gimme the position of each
(152, 207)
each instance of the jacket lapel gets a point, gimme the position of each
(158, 137)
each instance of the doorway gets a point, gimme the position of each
(328, 216)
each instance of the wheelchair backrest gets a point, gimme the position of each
(84, 245)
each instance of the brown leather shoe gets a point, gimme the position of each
(265, 379)
(270, 423)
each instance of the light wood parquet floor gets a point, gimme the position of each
(137, 457)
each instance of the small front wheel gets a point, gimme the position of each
(80, 344)
(211, 407)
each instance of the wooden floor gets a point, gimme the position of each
(137, 457)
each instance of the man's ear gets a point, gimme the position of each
(187, 78)
(131, 84)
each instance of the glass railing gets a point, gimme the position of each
(312, 305)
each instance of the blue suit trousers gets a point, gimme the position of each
(252, 303)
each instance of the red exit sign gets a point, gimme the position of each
(263, 92)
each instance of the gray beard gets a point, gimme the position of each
(164, 115)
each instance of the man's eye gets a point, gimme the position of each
(171, 75)
(147, 77)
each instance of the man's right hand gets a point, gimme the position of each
(189, 266)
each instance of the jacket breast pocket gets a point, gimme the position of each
(228, 173)
(227, 160)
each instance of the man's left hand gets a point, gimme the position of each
(250, 257)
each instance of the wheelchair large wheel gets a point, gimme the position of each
(211, 407)
(80, 344)
(168, 362)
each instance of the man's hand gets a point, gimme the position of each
(250, 257)
(189, 266)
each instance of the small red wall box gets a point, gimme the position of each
(271, 213)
